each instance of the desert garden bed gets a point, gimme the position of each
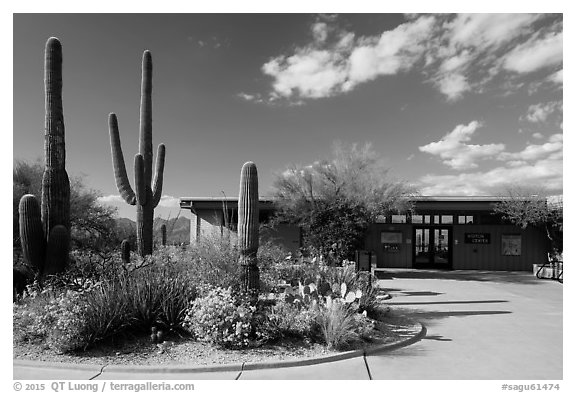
(184, 351)
(183, 307)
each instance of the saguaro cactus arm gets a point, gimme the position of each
(159, 175)
(122, 182)
(31, 232)
(145, 146)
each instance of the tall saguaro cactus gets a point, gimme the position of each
(248, 227)
(146, 196)
(44, 230)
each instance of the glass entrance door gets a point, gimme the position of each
(432, 247)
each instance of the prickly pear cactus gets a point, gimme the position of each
(45, 229)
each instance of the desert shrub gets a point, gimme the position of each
(27, 312)
(157, 294)
(68, 316)
(227, 320)
(214, 261)
(53, 317)
(337, 325)
(289, 320)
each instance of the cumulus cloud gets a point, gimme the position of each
(455, 53)
(169, 201)
(457, 153)
(110, 199)
(546, 173)
(536, 164)
(486, 30)
(536, 54)
(539, 113)
(557, 77)
(327, 67)
(453, 86)
(165, 200)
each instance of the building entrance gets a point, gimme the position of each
(432, 247)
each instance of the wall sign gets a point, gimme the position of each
(511, 244)
(391, 237)
(477, 238)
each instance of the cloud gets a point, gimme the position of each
(111, 199)
(165, 200)
(456, 54)
(453, 86)
(456, 153)
(546, 173)
(169, 201)
(327, 67)
(536, 164)
(395, 51)
(551, 149)
(539, 113)
(557, 77)
(488, 30)
(536, 54)
(310, 73)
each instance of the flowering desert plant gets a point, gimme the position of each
(226, 319)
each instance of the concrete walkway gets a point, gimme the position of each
(480, 325)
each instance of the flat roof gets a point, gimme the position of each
(486, 198)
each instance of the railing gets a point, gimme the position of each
(557, 268)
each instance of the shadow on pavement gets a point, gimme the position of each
(430, 316)
(421, 293)
(447, 302)
(460, 275)
(437, 337)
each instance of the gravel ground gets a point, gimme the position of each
(140, 351)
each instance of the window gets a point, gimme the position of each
(447, 219)
(417, 219)
(399, 218)
(465, 219)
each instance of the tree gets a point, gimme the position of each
(525, 207)
(92, 224)
(335, 200)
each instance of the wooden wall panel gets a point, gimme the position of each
(489, 256)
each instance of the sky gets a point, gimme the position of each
(456, 104)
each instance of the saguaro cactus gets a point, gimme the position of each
(163, 233)
(248, 227)
(45, 229)
(145, 196)
(125, 251)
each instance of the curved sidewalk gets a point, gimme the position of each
(480, 325)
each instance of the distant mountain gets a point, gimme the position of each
(177, 229)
